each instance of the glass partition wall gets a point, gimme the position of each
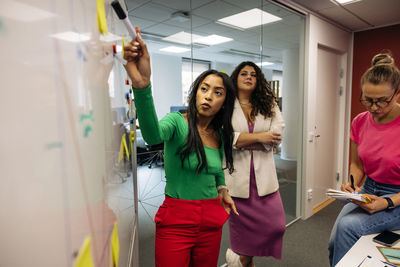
(187, 37)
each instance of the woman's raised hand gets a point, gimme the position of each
(138, 66)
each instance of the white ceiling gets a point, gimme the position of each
(154, 18)
(359, 15)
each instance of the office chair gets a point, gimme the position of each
(151, 155)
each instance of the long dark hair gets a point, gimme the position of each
(222, 119)
(262, 98)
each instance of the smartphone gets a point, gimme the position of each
(387, 238)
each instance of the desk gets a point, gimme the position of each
(364, 247)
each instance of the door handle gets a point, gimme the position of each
(318, 135)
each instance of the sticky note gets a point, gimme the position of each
(391, 254)
(101, 17)
(123, 44)
(132, 136)
(115, 245)
(123, 148)
(126, 147)
(85, 255)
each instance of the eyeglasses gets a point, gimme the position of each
(368, 103)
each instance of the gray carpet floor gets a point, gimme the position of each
(305, 242)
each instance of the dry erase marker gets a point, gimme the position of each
(122, 16)
(352, 181)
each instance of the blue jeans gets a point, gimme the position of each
(353, 221)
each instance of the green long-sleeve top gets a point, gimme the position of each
(182, 182)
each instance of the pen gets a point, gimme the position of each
(387, 264)
(122, 16)
(364, 260)
(352, 181)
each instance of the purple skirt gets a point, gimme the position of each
(259, 228)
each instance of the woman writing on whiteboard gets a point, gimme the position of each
(258, 127)
(189, 222)
(375, 153)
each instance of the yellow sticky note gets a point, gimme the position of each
(115, 245)
(121, 149)
(123, 44)
(101, 17)
(85, 255)
(125, 146)
(132, 138)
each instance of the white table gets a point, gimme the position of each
(364, 247)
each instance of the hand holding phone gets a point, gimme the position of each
(387, 238)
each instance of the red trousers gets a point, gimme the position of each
(188, 232)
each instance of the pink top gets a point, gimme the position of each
(378, 147)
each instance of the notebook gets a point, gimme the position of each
(338, 194)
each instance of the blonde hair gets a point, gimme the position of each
(383, 70)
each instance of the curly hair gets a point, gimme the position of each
(262, 98)
(221, 120)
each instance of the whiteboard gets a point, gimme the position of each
(58, 146)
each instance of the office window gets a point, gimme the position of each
(190, 70)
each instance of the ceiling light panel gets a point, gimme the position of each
(182, 38)
(174, 49)
(250, 18)
(213, 40)
(264, 63)
(345, 2)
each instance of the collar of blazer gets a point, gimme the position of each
(239, 122)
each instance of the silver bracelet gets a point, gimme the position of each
(222, 187)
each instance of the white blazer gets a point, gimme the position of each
(238, 182)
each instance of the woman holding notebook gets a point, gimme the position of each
(375, 153)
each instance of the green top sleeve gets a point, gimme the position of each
(183, 181)
(220, 178)
(149, 126)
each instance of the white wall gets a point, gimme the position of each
(220, 66)
(167, 82)
(267, 73)
(290, 91)
(319, 32)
